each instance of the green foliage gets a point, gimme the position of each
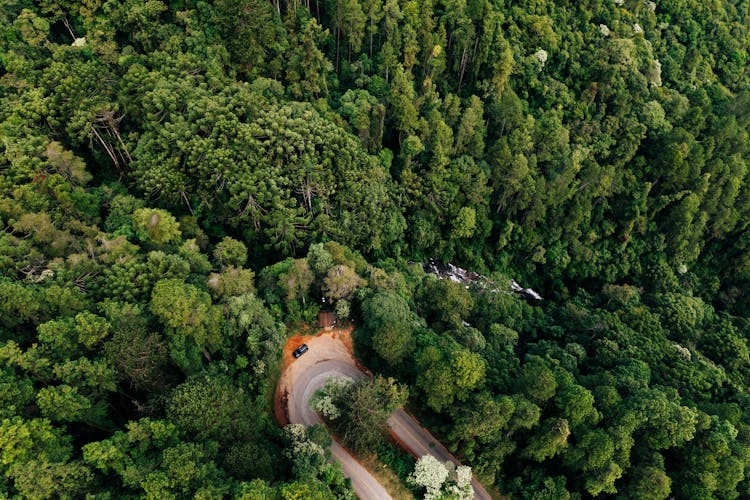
(211, 407)
(342, 310)
(35, 439)
(63, 403)
(36, 460)
(550, 441)
(91, 329)
(650, 482)
(299, 490)
(252, 460)
(252, 329)
(257, 489)
(153, 225)
(536, 381)
(341, 282)
(120, 216)
(150, 460)
(446, 303)
(231, 282)
(361, 409)
(19, 304)
(230, 253)
(448, 372)
(712, 464)
(327, 400)
(191, 252)
(400, 462)
(48, 480)
(320, 259)
(391, 323)
(682, 314)
(314, 476)
(192, 324)
(17, 393)
(140, 355)
(252, 34)
(594, 151)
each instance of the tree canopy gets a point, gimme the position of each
(182, 182)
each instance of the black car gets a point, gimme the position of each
(300, 351)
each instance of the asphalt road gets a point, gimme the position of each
(313, 378)
(327, 358)
(419, 441)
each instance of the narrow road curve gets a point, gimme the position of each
(328, 357)
(419, 442)
(300, 412)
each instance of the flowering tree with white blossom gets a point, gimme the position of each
(442, 480)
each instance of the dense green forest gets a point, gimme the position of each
(182, 181)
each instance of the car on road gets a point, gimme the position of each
(300, 351)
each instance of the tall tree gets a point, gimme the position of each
(366, 406)
(391, 323)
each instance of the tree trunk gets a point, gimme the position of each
(338, 47)
(462, 68)
(474, 57)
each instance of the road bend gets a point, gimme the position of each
(328, 357)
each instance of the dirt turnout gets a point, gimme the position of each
(324, 342)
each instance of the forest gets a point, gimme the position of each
(182, 182)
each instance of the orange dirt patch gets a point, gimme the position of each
(345, 336)
(280, 407)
